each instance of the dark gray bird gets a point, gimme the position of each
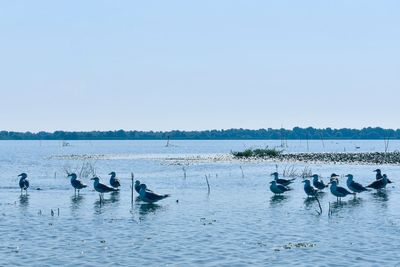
(379, 184)
(114, 181)
(334, 176)
(23, 182)
(338, 191)
(354, 186)
(319, 184)
(284, 182)
(76, 184)
(278, 189)
(309, 189)
(148, 196)
(137, 187)
(379, 175)
(102, 188)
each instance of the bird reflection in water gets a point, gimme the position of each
(24, 201)
(148, 208)
(76, 201)
(114, 197)
(381, 195)
(275, 199)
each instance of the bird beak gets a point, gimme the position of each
(92, 178)
(271, 182)
(110, 173)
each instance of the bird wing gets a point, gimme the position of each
(358, 186)
(343, 190)
(105, 187)
(24, 184)
(319, 184)
(375, 184)
(153, 196)
(282, 188)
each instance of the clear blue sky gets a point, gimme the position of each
(161, 65)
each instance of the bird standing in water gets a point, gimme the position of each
(283, 182)
(339, 191)
(309, 189)
(319, 184)
(114, 181)
(102, 188)
(379, 184)
(23, 182)
(76, 184)
(354, 186)
(380, 176)
(149, 196)
(278, 189)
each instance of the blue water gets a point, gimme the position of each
(239, 223)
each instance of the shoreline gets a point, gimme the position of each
(374, 158)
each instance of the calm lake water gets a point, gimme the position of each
(239, 223)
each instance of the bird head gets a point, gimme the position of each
(315, 176)
(275, 174)
(377, 170)
(137, 183)
(112, 174)
(95, 179)
(143, 186)
(73, 175)
(333, 182)
(23, 175)
(350, 176)
(334, 176)
(306, 181)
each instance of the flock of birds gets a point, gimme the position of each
(280, 186)
(145, 194)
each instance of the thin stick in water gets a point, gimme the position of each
(242, 171)
(132, 185)
(208, 184)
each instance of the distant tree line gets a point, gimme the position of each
(230, 134)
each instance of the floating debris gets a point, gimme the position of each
(295, 245)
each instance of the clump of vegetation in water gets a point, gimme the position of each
(257, 153)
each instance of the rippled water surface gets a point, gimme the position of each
(239, 223)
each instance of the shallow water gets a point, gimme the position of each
(240, 223)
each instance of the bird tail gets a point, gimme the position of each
(167, 195)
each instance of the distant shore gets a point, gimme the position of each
(296, 133)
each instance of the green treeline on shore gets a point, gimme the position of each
(229, 134)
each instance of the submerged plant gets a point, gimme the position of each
(257, 153)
